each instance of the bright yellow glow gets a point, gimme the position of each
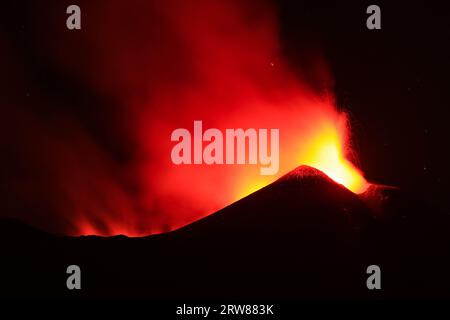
(326, 153)
(253, 184)
(322, 147)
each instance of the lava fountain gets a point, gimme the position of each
(166, 65)
(327, 152)
(325, 147)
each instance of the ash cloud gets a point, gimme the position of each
(87, 115)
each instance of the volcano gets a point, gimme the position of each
(303, 236)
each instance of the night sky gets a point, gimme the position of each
(394, 82)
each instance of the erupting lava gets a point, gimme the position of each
(325, 148)
(168, 64)
(328, 158)
(327, 153)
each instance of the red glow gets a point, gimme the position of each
(166, 64)
(324, 147)
(327, 152)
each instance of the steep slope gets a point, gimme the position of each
(303, 236)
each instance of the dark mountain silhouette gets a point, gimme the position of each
(303, 236)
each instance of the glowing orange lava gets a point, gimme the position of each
(323, 147)
(327, 153)
(220, 62)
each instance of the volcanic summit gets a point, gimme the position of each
(303, 236)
